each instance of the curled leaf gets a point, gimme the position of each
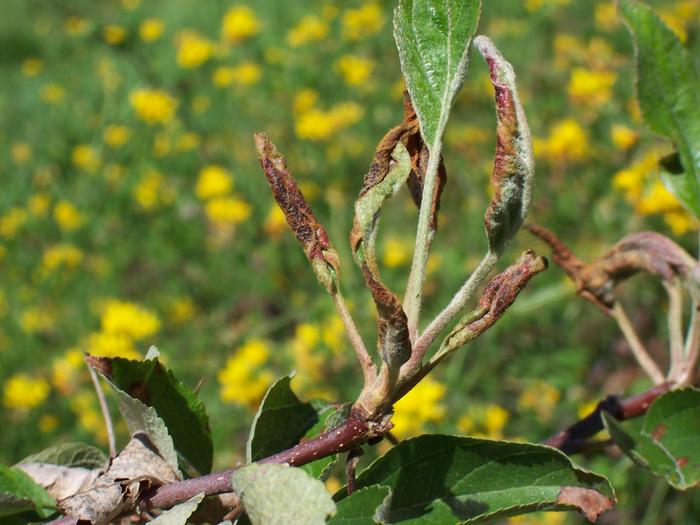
(514, 165)
(301, 219)
(648, 252)
(382, 181)
(58, 480)
(136, 469)
(497, 297)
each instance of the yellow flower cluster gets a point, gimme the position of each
(396, 252)
(316, 124)
(23, 392)
(540, 397)
(153, 191)
(642, 189)
(114, 34)
(12, 221)
(591, 88)
(364, 21)
(65, 370)
(244, 380)
(420, 406)
(193, 49)
(214, 186)
(67, 216)
(567, 142)
(85, 157)
(240, 22)
(60, 256)
(116, 135)
(354, 70)
(153, 106)
(36, 319)
(83, 405)
(484, 421)
(52, 93)
(309, 29)
(151, 29)
(244, 74)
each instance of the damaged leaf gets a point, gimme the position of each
(60, 481)
(669, 441)
(70, 455)
(20, 493)
(514, 164)
(281, 495)
(649, 252)
(497, 297)
(136, 469)
(393, 339)
(475, 480)
(312, 236)
(148, 384)
(668, 90)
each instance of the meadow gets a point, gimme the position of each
(134, 213)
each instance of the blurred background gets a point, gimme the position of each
(134, 213)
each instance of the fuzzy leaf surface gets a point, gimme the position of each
(669, 441)
(668, 90)
(443, 479)
(433, 38)
(154, 386)
(279, 494)
(179, 514)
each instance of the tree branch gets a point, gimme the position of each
(574, 438)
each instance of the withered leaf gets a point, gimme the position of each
(301, 219)
(393, 340)
(514, 165)
(136, 468)
(648, 252)
(496, 298)
(58, 480)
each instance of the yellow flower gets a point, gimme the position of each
(153, 191)
(153, 105)
(592, 88)
(116, 135)
(484, 421)
(161, 145)
(631, 180)
(420, 406)
(568, 141)
(151, 29)
(246, 74)
(65, 369)
(114, 34)
(606, 16)
(85, 157)
(534, 5)
(304, 100)
(12, 221)
(47, 423)
(36, 320)
(32, 66)
(275, 223)
(21, 152)
(193, 50)
(541, 397)
(309, 29)
(181, 310)
(224, 211)
(680, 221)
(52, 93)
(243, 379)
(24, 392)
(67, 216)
(657, 200)
(355, 70)
(132, 320)
(61, 255)
(396, 252)
(38, 205)
(362, 22)
(188, 141)
(676, 24)
(76, 26)
(111, 345)
(240, 22)
(213, 181)
(623, 137)
(83, 404)
(317, 124)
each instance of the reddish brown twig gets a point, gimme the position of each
(574, 438)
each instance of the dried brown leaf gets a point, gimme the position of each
(300, 217)
(589, 502)
(138, 467)
(58, 480)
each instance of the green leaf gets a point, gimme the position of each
(360, 508)
(279, 494)
(70, 455)
(433, 38)
(20, 493)
(151, 384)
(281, 421)
(447, 479)
(514, 163)
(668, 90)
(179, 514)
(669, 441)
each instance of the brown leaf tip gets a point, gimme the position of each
(589, 502)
